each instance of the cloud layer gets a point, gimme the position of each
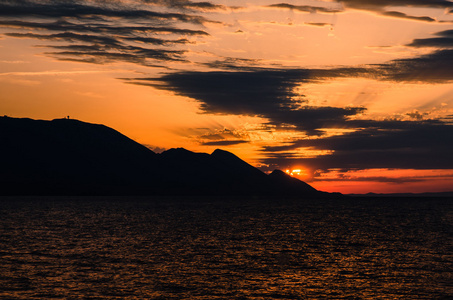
(101, 32)
(380, 7)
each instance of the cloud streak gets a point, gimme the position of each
(444, 40)
(88, 10)
(306, 8)
(379, 7)
(116, 31)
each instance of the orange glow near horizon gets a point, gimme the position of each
(388, 180)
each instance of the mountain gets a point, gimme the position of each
(406, 195)
(70, 157)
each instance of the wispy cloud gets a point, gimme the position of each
(116, 31)
(188, 5)
(308, 8)
(444, 39)
(90, 10)
(379, 7)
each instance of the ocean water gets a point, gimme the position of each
(189, 248)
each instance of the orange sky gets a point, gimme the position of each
(357, 93)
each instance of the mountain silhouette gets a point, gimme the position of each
(70, 157)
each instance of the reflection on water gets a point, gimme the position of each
(225, 249)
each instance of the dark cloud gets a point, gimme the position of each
(101, 54)
(318, 24)
(382, 179)
(380, 7)
(400, 15)
(66, 26)
(81, 10)
(225, 143)
(101, 28)
(68, 36)
(306, 8)
(435, 67)
(103, 49)
(233, 63)
(374, 4)
(271, 93)
(265, 93)
(381, 144)
(377, 6)
(445, 40)
(97, 39)
(447, 33)
(188, 5)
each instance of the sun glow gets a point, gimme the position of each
(297, 172)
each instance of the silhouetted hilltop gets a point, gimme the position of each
(289, 183)
(70, 157)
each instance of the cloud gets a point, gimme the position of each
(306, 8)
(445, 40)
(318, 24)
(266, 93)
(66, 26)
(224, 137)
(271, 93)
(379, 7)
(101, 54)
(224, 134)
(103, 49)
(395, 176)
(381, 144)
(188, 5)
(379, 4)
(224, 143)
(96, 39)
(400, 15)
(107, 31)
(435, 67)
(88, 10)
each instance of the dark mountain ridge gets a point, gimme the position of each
(70, 157)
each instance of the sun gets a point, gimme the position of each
(299, 172)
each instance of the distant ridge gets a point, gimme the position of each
(403, 195)
(70, 157)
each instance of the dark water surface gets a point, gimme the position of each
(167, 248)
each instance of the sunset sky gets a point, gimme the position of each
(357, 94)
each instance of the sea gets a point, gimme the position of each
(225, 248)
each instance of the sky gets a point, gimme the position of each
(351, 96)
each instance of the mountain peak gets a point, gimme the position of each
(219, 153)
